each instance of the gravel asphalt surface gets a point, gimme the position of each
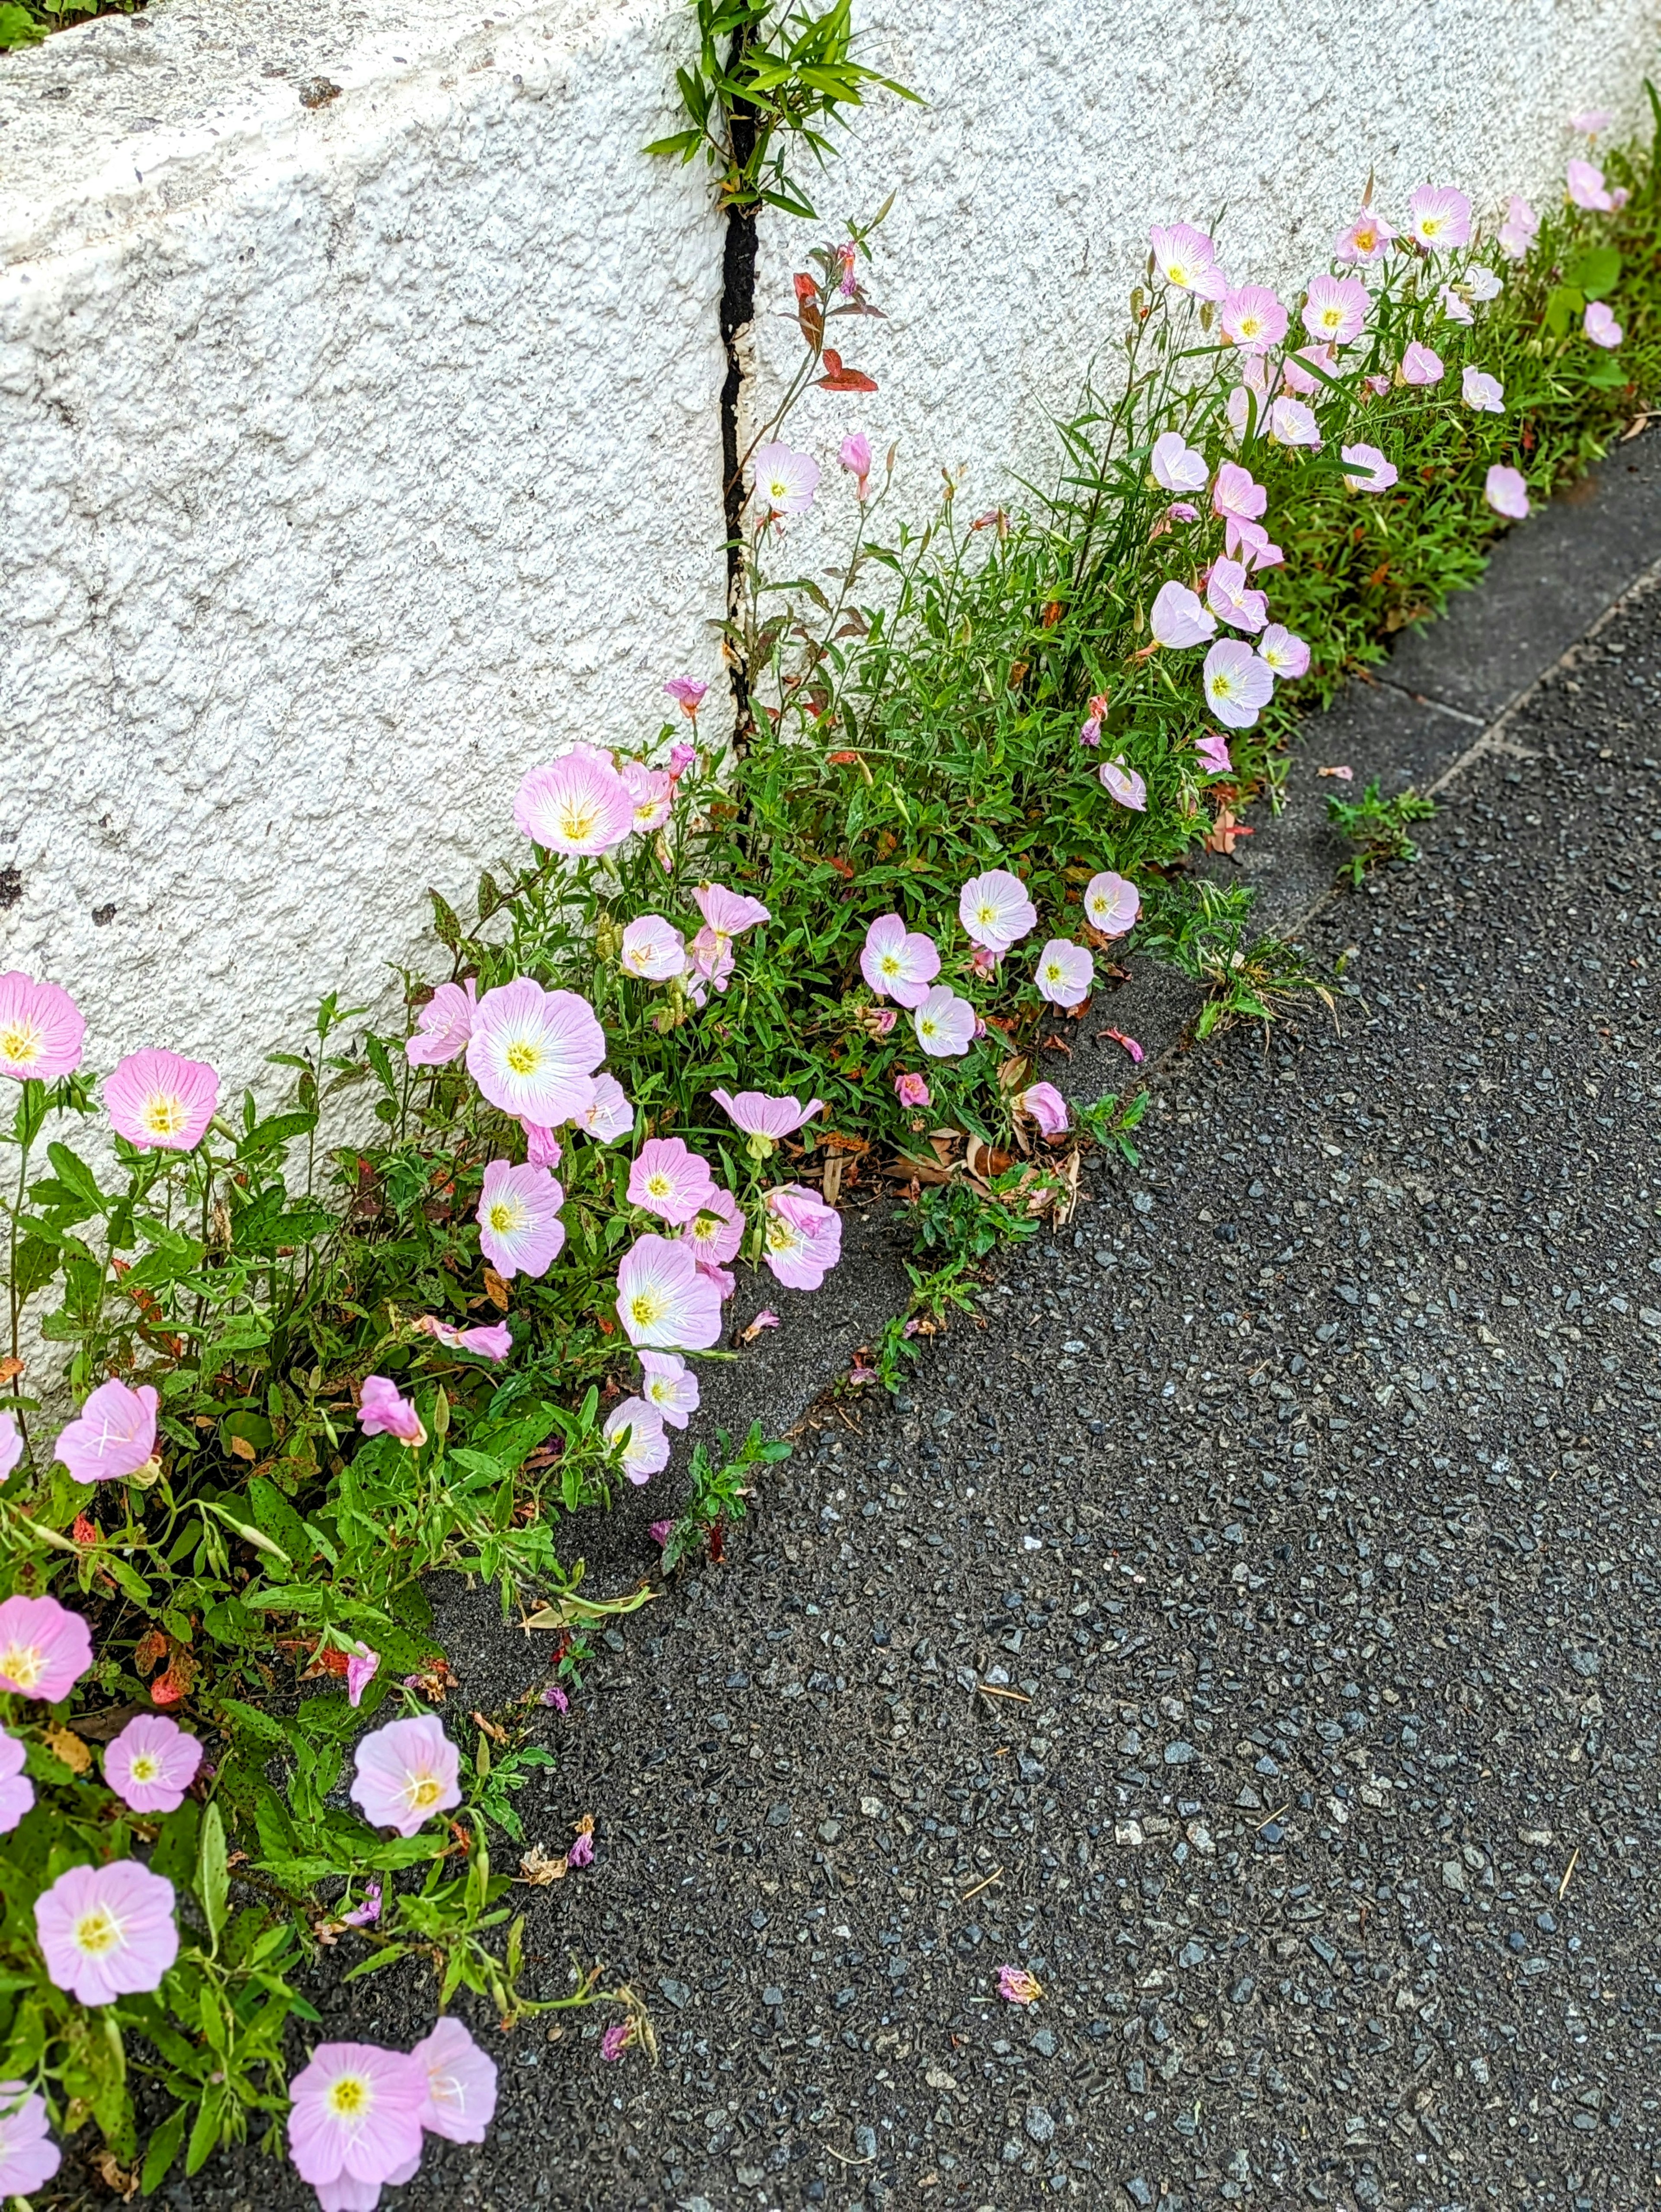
(1247, 1625)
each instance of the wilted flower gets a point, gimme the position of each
(785, 481)
(1124, 785)
(994, 910)
(534, 1053)
(1519, 229)
(1090, 730)
(1177, 465)
(16, 1796)
(1235, 493)
(855, 458)
(1065, 973)
(637, 1430)
(1335, 309)
(1601, 326)
(944, 1023)
(1364, 240)
(1482, 392)
(1506, 492)
(1368, 470)
(1252, 319)
(577, 803)
(362, 1665)
(1110, 903)
(651, 794)
(108, 1931)
(113, 1435)
(670, 1181)
(766, 1120)
(1420, 365)
(664, 1299)
(492, 1341)
(542, 1147)
(669, 1387)
(1047, 1108)
(615, 2041)
(405, 1773)
(151, 1764)
(1587, 188)
(41, 1030)
(608, 1115)
(367, 1914)
(1230, 598)
(803, 1236)
(1438, 217)
(1212, 751)
(1237, 686)
(382, 1413)
(443, 1026)
(461, 2083)
(355, 2122)
(899, 963)
(160, 1100)
(1187, 259)
(688, 694)
(45, 1649)
(911, 1090)
(1017, 1986)
(28, 2156)
(1287, 654)
(519, 1230)
(1176, 618)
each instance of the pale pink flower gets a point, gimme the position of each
(1456, 306)
(28, 2156)
(382, 1413)
(1177, 619)
(493, 1341)
(443, 1026)
(1287, 654)
(367, 1914)
(1601, 326)
(542, 1147)
(899, 963)
(1180, 510)
(802, 1237)
(362, 1665)
(984, 961)
(1212, 751)
(1187, 260)
(151, 1764)
(41, 1030)
(1376, 386)
(519, 1229)
(45, 1649)
(108, 1931)
(944, 1023)
(636, 1429)
(1506, 492)
(1017, 1986)
(1589, 121)
(1368, 470)
(651, 794)
(1297, 370)
(670, 1181)
(855, 458)
(1129, 1043)
(355, 2120)
(785, 481)
(1123, 784)
(16, 1791)
(663, 1299)
(1240, 412)
(1230, 598)
(729, 913)
(713, 962)
(1110, 903)
(160, 1100)
(1483, 283)
(717, 1233)
(1046, 1107)
(1519, 229)
(681, 757)
(766, 1120)
(1248, 542)
(1483, 393)
(608, 1116)
(1237, 686)
(994, 909)
(405, 1773)
(113, 1435)
(1420, 365)
(669, 1387)
(534, 1053)
(11, 1445)
(1252, 319)
(1177, 465)
(1065, 973)
(1587, 188)
(911, 1090)
(1291, 424)
(1438, 217)
(1364, 241)
(460, 2097)
(765, 1319)
(1236, 494)
(1336, 310)
(577, 803)
(687, 693)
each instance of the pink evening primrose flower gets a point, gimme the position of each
(1248, 542)
(1176, 464)
(899, 963)
(1123, 784)
(1586, 187)
(1065, 973)
(608, 1115)
(28, 2156)
(1456, 306)
(45, 1649)
(727, 915)
(160, 1100)
(1236, 494)
(669, 1387)
(1336, 310)
(785, 481)
(995, 911)
(1368, 470)
(802, 1239)
(681, 757)
(651, 794)
(367, 1914)
(1483, 393)
(1212, 751)
(1506, 492)
(944, 1023)
(542, 1147)
(1287, 654)
(461, 2083)
(1017, 1986)
(577, 804)
(1519, 229)
(1589, 121)
(534, 1053)
(1180, 510)
(671, 1180)
(1297, 370)
(1420, 365)
(519, 1229)
(405, 1773)
(355, 2122)
(41, 1030)
(984, 962)
(1177, 619)
(108, 1931)
(1364, 241)
(766, 1120)
(113, 1435)
(443, 1026)
(16, 1790)
(1439, 218)
(687, 693)
(362, 1667)
(1291, 424)
(636, 1431)
(1046, 1107)
(664, 1300)
(1252, 319)
(1483, 283)
(855, 458)
(1601, 326)
(1187, 260)
(151, 1764)
(652, 949)
(382, 1413)
(765, 1319)
(911, 1090)
(11, 1445)
(1237, 686)
(1231, 601)
(717, 1233)
(493, 1341)
(1110, 903)
(1090, 730)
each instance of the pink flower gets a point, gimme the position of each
(765, 1119)
(460, 2097)
(113, 1435)
(367, 1914)
(1124, 784)
(1177, 465)
(1438, 217)
(519, 1223)
(1017, 1986)
(11, 1445)
(1129, 1043)
(688, 694)
(608, 1115)
(1187, 260)
(1368, 470)
(151, 1764)
(492, 1342)
(765, 1319)
(1090, 730)
(669, 1387)
(1364, 241)
(911, 1090)
(729, 913)
(681, 757)
(45, 1649)
(16, 1790)
(615, 2041)
(1456, 306)
(637, 1430)
(405, 1773)
(944, 1023)
(652, 949)
(1291, 424)
(1519, 229)
(1110, 904)
(785, 481)
(553, 1695)
(802, 1240)
(577, 803)
(534, 1053)
(542, 1147)
(670, 1181)
(1180, 510)
(1586, 187)
(1601, 326)
(1248, 542)
(443, 1026)
(1420, 365)
(108, 1931)
(1589, 121)
(1236, 494)
(382, 1413)
(1483, 283)
(582, 1853)
(1297, 370)
(717, 1233)
(1046, 1107)
(362, 1667)
(1212, 751)
(1252, 319)
(855, 458)
(663, 1299)
(41, 1030)
(1506, 492)
(899, 963)
(1336, 310)
(995, 911)
(1483, 393)
(156, 1099)
(355, 2121)
(1065, 973)
(651, 794)
(1287, 654)
(28, 2156)
(1177, 619)
(1237, 686)
(984, 962)
(1229, 597)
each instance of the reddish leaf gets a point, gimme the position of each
(841, 378)
(809, 313)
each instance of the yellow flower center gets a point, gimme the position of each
(348, 2098)
(96, 1932)
(523, 1056)
(644, 1309)
(1367, 240)
(659, 1185)
(146, 1767)
(1331, 317)
(1429, 225)
(890, 963)
(927, 1026)
(21, 1664)
(779, 1233)
(777, 489)
(164, 1114)
(504, 1217)
(21, 1045)
(575, 824)
(425, 1793)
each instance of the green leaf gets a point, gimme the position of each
(1595, 273)
(213, 1880)
(70, 1169)
(163, 2149)
(205, 2135)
